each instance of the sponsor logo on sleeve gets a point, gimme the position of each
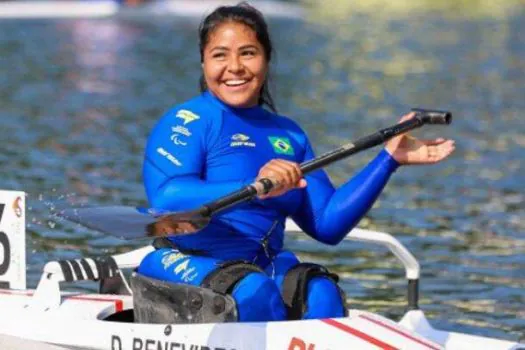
(168, 156)
(187, 116)
(281, 145)
(239, 140)
(179, 131)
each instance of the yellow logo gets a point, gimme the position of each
(187, 116)
(181, 267)
(171, 258)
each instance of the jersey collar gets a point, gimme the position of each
(251, 112)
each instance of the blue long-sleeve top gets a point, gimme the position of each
(204, 149)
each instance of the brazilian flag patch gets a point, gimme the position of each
(281, 145)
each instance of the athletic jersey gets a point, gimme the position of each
(204, 149)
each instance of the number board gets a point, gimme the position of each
(12, 240)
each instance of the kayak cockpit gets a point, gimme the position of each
(108, 271)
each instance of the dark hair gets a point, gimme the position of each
(252, 18)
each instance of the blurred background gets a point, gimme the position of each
(82, 84)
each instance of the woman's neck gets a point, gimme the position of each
(244, 111)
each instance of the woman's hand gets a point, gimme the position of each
(287, 176)
(406, 149)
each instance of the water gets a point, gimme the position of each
(79, 98)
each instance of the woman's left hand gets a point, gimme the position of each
(406, 149)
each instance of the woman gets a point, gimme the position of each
(220, 141)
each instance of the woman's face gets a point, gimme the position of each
(234, 65)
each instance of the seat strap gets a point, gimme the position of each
(224, 279)
(295, 287)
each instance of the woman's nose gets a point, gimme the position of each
(235, 64)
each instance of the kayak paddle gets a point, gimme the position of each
(132, 223)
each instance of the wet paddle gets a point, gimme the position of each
(132, 223)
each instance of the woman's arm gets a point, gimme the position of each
(182, 192)
(175, 162)
(327, 214)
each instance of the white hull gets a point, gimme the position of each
(77, 323)
(48, 318)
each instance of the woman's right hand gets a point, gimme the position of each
(285, 174)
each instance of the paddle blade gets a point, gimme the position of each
(119, 221)
(133, 223)
(178, 224)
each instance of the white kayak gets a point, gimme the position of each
(49, 318)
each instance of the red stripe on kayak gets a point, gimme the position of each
(358, 334)
(119, 305)
(398, 331)
(17, 292)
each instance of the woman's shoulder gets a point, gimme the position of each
(197, 108)
(290, 125)
(282, 120)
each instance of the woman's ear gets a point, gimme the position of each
(202, 83)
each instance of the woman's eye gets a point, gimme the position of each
(248, 53)
(218, 55)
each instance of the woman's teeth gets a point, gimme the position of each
(235, 82)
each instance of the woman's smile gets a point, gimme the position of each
(236, 82)
(235, 65)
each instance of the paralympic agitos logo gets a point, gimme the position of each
(177, 132)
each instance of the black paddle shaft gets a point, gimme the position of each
(263, 186)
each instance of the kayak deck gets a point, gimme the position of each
(83, 315)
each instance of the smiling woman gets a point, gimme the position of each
(234, 65)
(235, 53)
(223, 140)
